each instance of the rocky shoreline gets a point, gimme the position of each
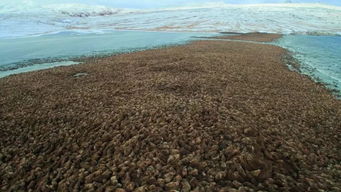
(207, 116)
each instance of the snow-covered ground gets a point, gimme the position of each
(32, 19)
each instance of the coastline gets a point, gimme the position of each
(205, 116)
(256, 37)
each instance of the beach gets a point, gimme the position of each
(210, 115)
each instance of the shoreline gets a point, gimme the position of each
(204, 116)
(252, 37)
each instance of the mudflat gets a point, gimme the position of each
(207, 116)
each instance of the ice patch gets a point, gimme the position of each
(30, 19)
(36, 67)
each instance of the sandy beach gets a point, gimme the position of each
(207, 116)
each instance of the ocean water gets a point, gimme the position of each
(319, 57)
(42, 34)
(39, 52)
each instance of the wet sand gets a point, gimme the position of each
(207, 116)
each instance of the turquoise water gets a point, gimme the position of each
(40, 52)
(319, 57)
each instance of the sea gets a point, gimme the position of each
(40, 36)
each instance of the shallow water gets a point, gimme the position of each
(319, 57)
(52, 49)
